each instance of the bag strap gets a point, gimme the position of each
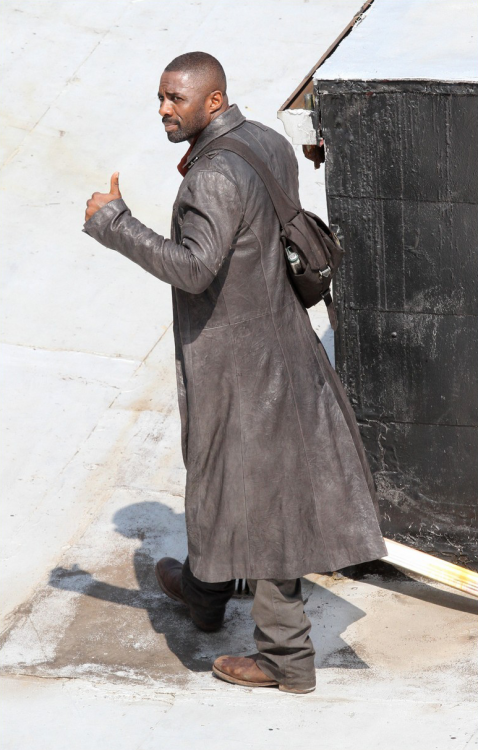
(285, 208)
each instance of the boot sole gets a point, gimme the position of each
(245, 683)
(270, 683)
(296, 691)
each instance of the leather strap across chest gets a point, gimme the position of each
(285, 208)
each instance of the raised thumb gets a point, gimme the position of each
(114, 184)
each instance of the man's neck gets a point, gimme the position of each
(213, 117)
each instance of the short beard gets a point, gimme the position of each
(186, 132)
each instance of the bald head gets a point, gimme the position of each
(192, 92)
(206, 71)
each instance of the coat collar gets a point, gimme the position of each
(229, 119)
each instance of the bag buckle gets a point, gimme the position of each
(326, 272)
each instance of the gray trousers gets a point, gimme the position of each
(286, 653)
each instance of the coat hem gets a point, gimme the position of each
(231, 573)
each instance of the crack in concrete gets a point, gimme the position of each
(38, 636)
(118, 357)
(149, 490)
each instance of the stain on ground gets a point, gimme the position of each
(103, 617)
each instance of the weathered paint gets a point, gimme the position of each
(402, 185)
(299, 126)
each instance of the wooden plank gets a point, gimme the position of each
(431, 567)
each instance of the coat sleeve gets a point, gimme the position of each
(210, 211)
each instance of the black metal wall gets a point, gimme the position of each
(402, 185)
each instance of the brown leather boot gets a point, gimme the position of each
(243, 670)
(169, 574)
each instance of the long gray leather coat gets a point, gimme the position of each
(277, 480)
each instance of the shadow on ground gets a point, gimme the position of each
(103, 616)
(385, 576)
(107, 611)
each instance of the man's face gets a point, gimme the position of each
(184, 109)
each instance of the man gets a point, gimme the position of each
(277, 480)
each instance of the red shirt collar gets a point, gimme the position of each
(182, 164)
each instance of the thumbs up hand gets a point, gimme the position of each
(98, 200)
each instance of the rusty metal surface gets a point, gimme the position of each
(402, 185)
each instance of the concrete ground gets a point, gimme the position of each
(92, 654)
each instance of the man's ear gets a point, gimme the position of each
(215, 101)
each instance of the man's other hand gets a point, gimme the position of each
(98, 200)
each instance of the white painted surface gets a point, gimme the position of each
(409, 39)
(51, 404)
(299, 126)
(74, 714)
